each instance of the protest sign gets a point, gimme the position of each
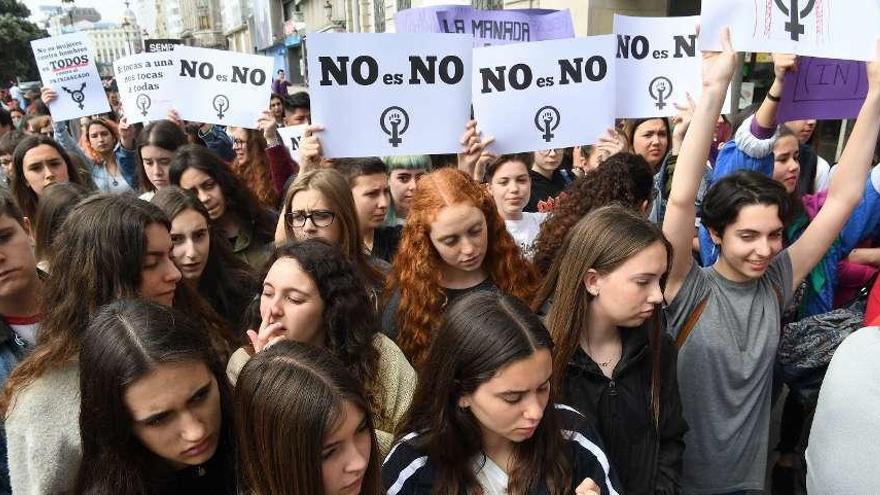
(143, 83)
(389, 94)
(160, 45)
(846, 29)
(658, 64)
(291, 137)
(67, 65)
(488, 27)
(220, 87)
(549, 94)
(823, 89)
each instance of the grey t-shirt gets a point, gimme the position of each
(845, 437)
(725, 373)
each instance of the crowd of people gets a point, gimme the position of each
(184, 308)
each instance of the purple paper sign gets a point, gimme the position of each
(489, 27)
(823, 88)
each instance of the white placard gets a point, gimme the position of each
(842, 29)
(220, 87)
(390, 94)
(143, 85)
(291, 136)
(546, 94)
(67, 65)
(658, 64)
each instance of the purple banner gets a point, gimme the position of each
(488, 27)
(823, 88)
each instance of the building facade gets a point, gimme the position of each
(201, 23)
(237, 21)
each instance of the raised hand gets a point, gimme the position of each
(782, 63)
(310, 150)
(268, 334)
(126, 134)
(718, 67)
(474, 157)
(48, 95)
(267, 124)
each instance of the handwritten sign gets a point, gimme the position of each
(846, 29)
(389, 94)
(141, 79)
(291, 136)
(67, 65)
(488, 27)
(549, 94)
(220, 87)
(823, 89)
(658, 64)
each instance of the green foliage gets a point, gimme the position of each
(16, 31)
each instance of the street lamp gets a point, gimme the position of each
(68, 6)
(328, 9)
(125, 25)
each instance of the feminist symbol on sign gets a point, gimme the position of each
(660, 89)
(77, 95)
(794, 25)
(221, 104)
(547, 120)
(143, 102)
(394, 122)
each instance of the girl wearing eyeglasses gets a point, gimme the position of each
(233, 209)
(319, 205)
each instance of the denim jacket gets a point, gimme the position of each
(125, 159)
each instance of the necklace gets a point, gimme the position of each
(605, 364)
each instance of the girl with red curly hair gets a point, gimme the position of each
(454, 243)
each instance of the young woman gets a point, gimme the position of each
(623, 178)
(508, 180)
(650, 140)
(251, 165)
(612, 359)
(368, 179)
(204, 258)
(37, 162)
(156, 145)
(313, 294)
(725, 377)
(484, 418)
(404, 171)
(58, 199)
(231, 205)
(276, 108)
(319, 205)
(317, 440)
(548, 178)
(454, 242)
(105, 147)
(156, 409)
(128, 256)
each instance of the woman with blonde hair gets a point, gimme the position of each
(613, 360)
(454, 242)
(319, 205)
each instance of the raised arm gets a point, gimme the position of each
(678, 224)
(847, 184)
(766, 114)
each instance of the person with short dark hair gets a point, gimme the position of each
(368, 179)
(280, 84)
(299, 109)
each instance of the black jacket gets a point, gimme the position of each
(647, 460)
(544, 188)
(408, 471)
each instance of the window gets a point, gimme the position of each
(379, 15)
(403, 4)
(489, 4)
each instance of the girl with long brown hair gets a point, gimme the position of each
(251, 165)
(484, 420)
(613, 361)
(454, 242)
(304, 426)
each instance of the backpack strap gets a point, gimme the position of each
(690, 323)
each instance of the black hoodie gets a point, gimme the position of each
(647, 458)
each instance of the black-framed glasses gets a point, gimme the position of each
(320, 218)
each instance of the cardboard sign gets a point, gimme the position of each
(161, 45)
(143, 83)
(658, 64)
(220, 87)
(67, 65)
(291, 137)
(843, 29)
(488, 27)
(550, 94)
(823, 89)
(389, 94)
